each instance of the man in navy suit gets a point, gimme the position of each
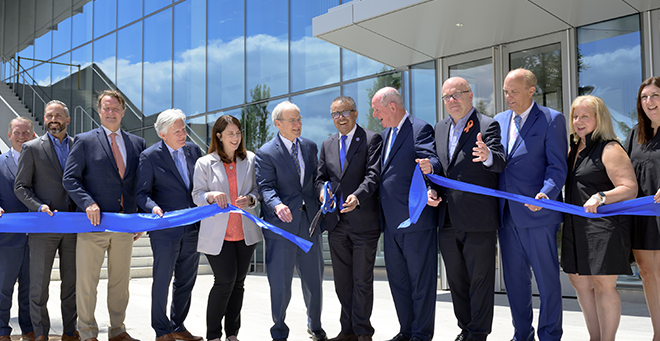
(350, 160)
(285, 173)
(39, 186)
(164, 183)
(535, 140)
(411, 254)
(469, 150)
(14, 250)
(100, 176)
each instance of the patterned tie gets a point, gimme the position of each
(392, 139)
(121, 167)
(294, 154)
(516, 130)
(342, 151)
(179, 166)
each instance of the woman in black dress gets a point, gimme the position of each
(643, 146)
(595, 250)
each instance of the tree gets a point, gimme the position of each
(255, 118)
(391, 80)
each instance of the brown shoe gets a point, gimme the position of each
(166, 337)
(41, 338)
(122, 337)
(75, 337)
(91, 339)
(29, 336)
(364, 338)
(344, 337)
(5, 338)
(185, 336)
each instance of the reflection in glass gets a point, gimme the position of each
(545, 63)
(62, 81)
(82, 24)
(315, 110)
(197, 132)
(105, 16)
(79, 122)
(267, 45)
(42, 46)
(226, 51)
(105, 59)
(479, 74)
(128, 11)
(355, 65)
(62, 36)
(313, 62)
(151, 6)
(610, 67)
(129, 64)
(190, 56)
(255, 118)
(158, 63)
(363, 91)
(422, 92)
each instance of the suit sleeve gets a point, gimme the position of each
(493, 142)
(372, 175)
(322, 173)
(556, 150)
(145, 183)
(73, 175)
(267, 180)
(425, 147)
(23, 183)
(200, 183)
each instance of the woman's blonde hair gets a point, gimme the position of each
(604, 130)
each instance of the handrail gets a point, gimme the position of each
(199, 141)
(50, 62)
(114, 87)
(82, 121)
(25, 83)
(9, 106)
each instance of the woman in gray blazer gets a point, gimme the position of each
(226, 176)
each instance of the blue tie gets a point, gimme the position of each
(392, 139)
(294, 154)
(179, 166)
(342, 151)
(516, 131)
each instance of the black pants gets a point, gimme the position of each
(226, 297)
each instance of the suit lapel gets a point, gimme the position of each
(190, 164)
(442, 139)
(11, 164)
(286, 156)
(103, 140)
(358, 139)
(470, 129)
(129, 152)
(241, 172)
(49, 149)
(529, 122)
(401, 136)
(169, 161)
(219, 169)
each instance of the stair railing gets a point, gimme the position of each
(79, 116)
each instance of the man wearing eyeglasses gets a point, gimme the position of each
(469, 149)
(39, 186)
(350, 161)
(285, 172)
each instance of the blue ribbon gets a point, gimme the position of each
(417, 198)
(77, 222)
(644, 206)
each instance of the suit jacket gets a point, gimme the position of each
(39, 176)
(461, 205)
(414, 141)
(359, 177)
(91, 174)
(210, 176)
(279, 182)
(160, 184)
(537, 163)
(8, 201)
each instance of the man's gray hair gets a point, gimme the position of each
(279, 109)
(389, 95)
(21, 119)
(345, 99)
(66, 109)
(167, 118)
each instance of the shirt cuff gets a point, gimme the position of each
(489, 160)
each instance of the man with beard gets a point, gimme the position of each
(39, 186)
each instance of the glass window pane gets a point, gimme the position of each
(62, 81)
(355, 65)
(545, 63)
(422, 92)
(226, 53)
(314, 62)
(268, 45)
(610, 67)
(129, 65)
(479, 74)
(43, 46)
(190, 57)
(105, 16)
(79, 121)
(62, 35)
(158, 62)
(315, 110)
(105, 59)
(82, 23)
(362, 92)
(258, 127)
(210, 121)
(151, 6)
(197, 132)
(128, 11)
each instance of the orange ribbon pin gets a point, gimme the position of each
(468, 126)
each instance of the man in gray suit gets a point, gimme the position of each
(39, 187)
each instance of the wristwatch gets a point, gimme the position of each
(601, 198)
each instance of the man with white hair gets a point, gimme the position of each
(164, 183)
(285, 171)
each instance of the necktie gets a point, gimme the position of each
(342, 151)
(121, 167)
(294, 154)
(179, 166)
(392, 139)
(516, 130)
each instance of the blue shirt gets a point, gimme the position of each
(61, 149)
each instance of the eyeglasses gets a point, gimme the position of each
(338, 114)
(456, 95)
(292, 121)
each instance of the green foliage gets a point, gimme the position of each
(255, 118)
(392, 80)
(482, 108)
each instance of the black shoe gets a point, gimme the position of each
(317, 335)
(400, 337)
(279, 339)
(415, 338)
(344, 337)
(461, 337)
